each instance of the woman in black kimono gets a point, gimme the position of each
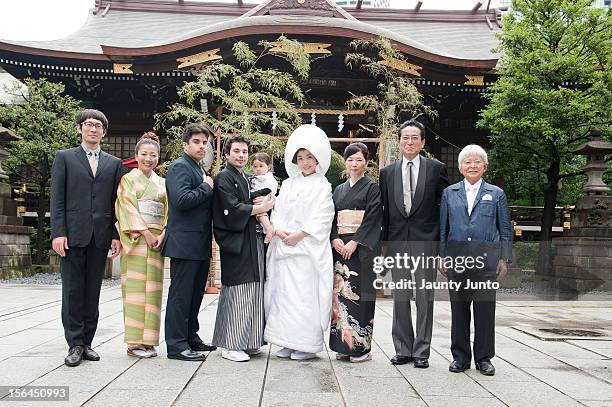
(355, 238)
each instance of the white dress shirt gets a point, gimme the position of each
(96, 152)
(416, 162)
(470, 192)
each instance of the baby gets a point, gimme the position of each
(262, 184)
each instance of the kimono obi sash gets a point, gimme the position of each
(349, 221)
(152, 213)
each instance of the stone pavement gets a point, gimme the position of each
(530, 371)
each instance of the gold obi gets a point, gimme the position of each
(349, 221)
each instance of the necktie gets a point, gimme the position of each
(92, 162)
(408, 188)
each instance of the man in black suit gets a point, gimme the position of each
(188, 243)
(84, 182)
(411, 190)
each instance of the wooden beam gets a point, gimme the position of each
(309, 47)
(199, 58)
(474, 80)
(359, 4)
(346, 139)
(123, 68)
(354, 140)
(240, 3)
(488, 5)
(402, 66)
(332, 112)
(477, 6)
(418, 6)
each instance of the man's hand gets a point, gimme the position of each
(268, 203)
(60, 245)
(159, 240)
(208, 180)
(338, 245)
(502, 269)
(293, 238)
(349, 249)
(115, 248)
(442, 271)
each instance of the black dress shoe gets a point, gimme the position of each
(188, 355)
(401, 360)
(202, 347)
(485, 367)
(457, 367)
(421, 363)
(75, 356)
(90, 354)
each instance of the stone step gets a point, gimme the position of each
(11, 220)
(10, 249)
(15, 261)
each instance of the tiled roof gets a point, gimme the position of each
(470, 39)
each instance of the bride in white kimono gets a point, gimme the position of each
(299, 284)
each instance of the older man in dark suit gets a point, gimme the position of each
(84, 182)
(474, 223)
(188, 243)
(411, 189)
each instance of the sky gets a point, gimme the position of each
(52, 19)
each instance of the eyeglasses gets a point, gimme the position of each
(98, 126)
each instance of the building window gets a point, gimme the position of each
(123, 146)
(449, 156)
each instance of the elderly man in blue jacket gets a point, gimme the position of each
(475, 234)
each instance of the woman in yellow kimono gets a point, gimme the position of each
(141, 209)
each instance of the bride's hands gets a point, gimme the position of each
(293, 238)
(281, 233)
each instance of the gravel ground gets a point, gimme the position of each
(52, 279)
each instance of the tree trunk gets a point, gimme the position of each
(551, 189)
(41, 235)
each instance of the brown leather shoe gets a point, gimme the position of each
(75, 356)
(90, 354)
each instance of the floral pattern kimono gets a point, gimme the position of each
(353, 302)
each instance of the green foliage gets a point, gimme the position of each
(554, 86)
(46, 248)
(45, 122)
(336, 174)
(396, 99)
(238, 91)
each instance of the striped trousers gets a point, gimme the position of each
(239, 324)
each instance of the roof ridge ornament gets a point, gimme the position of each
(319, 8)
